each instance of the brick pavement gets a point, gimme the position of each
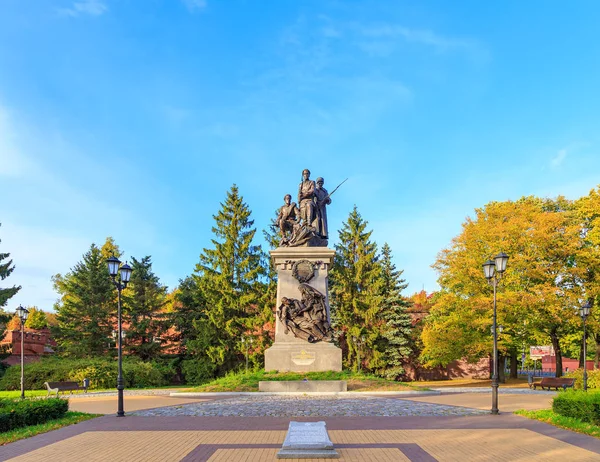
(445, 438)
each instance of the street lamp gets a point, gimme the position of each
(493, 270)
(584, 312)
(113, 269)
(22, 313)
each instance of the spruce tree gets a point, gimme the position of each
(394, 312)
(229, 279)
(356, 293)
(6, 268)
(143, 305)
(87, 307)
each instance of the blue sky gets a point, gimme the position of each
(132, 118)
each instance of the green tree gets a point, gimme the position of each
(6, 268)
(144, 301)
(86, 309)
(228, 278)
(396, 335)
(356, 294)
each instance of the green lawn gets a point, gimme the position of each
(248, 382)
(569, 423)
(17, 393)
(70, 418)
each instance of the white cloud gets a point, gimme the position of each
(194, 5)
(424, 36)
(86, 7)
(559, 158)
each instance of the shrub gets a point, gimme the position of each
(579, 405)
(102, 373)
(22, 413)
(196, 371)
(593, 380)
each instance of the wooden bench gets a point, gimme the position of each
(555, 382)
(532, 380)
(64, 386)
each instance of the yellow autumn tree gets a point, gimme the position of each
(535, 297)
(587, 213)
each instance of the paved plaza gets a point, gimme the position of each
(369, 427)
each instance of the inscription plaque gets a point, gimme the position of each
(307, 440)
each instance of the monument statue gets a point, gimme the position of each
(306, 195)
(322, 200)
(306, 318)
(303, 333)
(288, 219)
(305, 224)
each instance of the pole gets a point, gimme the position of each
(22, 359)
(584, 357)
(120, 384)
(246, 358)
(495, 364)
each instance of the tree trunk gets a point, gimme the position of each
(501, 362)
(514, 365)
(556, 345)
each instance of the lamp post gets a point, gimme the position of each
(113, 269)
(493, 270)
(22, 313)
(584, 312)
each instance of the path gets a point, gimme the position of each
(420, 429)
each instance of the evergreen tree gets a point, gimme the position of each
(6, 268)
(394, 312)
(188, 307)
(228, 277)
(356, 286)
(143, 309)
(87, 308)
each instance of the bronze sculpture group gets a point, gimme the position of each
(305, 223)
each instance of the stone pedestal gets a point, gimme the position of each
(289, 353)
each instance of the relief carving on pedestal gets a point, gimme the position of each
(306, 318)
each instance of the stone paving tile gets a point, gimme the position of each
(310, 406)
(452, 445)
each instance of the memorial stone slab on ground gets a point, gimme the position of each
(307, 440)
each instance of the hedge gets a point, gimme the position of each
(593, 380)
(581, 405)
(22, 413)
(102, 373)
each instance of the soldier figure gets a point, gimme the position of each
(322, 201)
(306, 194)
(287, 220)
